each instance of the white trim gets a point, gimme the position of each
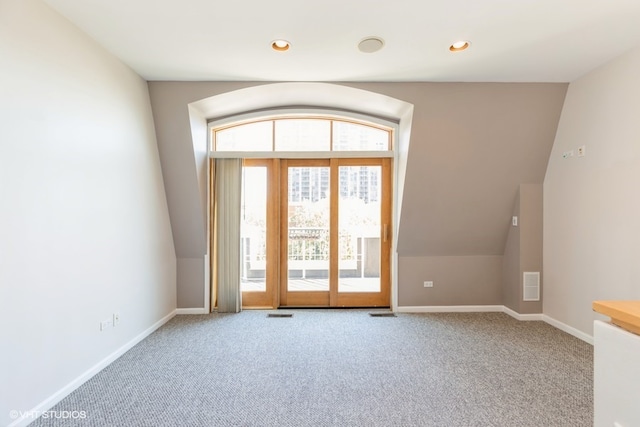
(388, 126)
(181, 311)
(52, 400)
(522, 317)
(497, 309)
(451, 309)
(297, 112)
(568, 329)
(208, 254)
(299, 154)
(207, 273)
(394, 275)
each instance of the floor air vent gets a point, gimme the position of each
(279, 315)
(382, 314)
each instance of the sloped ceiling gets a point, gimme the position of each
(472, 145)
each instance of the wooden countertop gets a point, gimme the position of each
(625, 314)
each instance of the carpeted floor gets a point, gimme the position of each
(343, 368)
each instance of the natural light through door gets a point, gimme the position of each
(316, 209)
(359, 228)
(308, 229)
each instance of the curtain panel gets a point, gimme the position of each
(226, 184)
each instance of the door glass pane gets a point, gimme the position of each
(303, 135)
(253, 231)
(359, 228)
(308, 225)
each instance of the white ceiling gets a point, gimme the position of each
(512, 40)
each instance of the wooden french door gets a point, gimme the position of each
(259, 233)
(327, 230)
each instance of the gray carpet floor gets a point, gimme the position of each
(343, 368)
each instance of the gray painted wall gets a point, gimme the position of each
(457, 280)
(190, 275)
(531, 213)
(523, 250)
(511, 294)
(472, 145)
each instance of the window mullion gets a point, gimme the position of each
(331, 136)
(273, 135)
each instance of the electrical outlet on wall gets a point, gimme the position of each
(582, 150)
(428, 284)
(116, 319)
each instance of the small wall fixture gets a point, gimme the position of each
(280, 45)
(459, 46)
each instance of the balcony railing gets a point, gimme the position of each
(309, 252)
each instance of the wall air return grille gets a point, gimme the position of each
(531, 286)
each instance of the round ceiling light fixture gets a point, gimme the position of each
(459, 46)
(370, 44)
(280, 45)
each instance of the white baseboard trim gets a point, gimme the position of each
(568, 329)
(192, 311)
(499, 309)
(450, 309)
(202, 310)
(522, 317)
(51, 401)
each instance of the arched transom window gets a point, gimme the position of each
(303, 133)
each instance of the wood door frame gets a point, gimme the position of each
(276, 294)
(371, 299)
(300, 298)
(269, 298)
(334, 298)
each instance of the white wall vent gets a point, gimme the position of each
(531, 286)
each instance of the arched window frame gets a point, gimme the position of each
(302, 113)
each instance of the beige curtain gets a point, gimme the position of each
(225, 260)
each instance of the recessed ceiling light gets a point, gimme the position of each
(370, 44)
(280, 45)
(459, 45)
